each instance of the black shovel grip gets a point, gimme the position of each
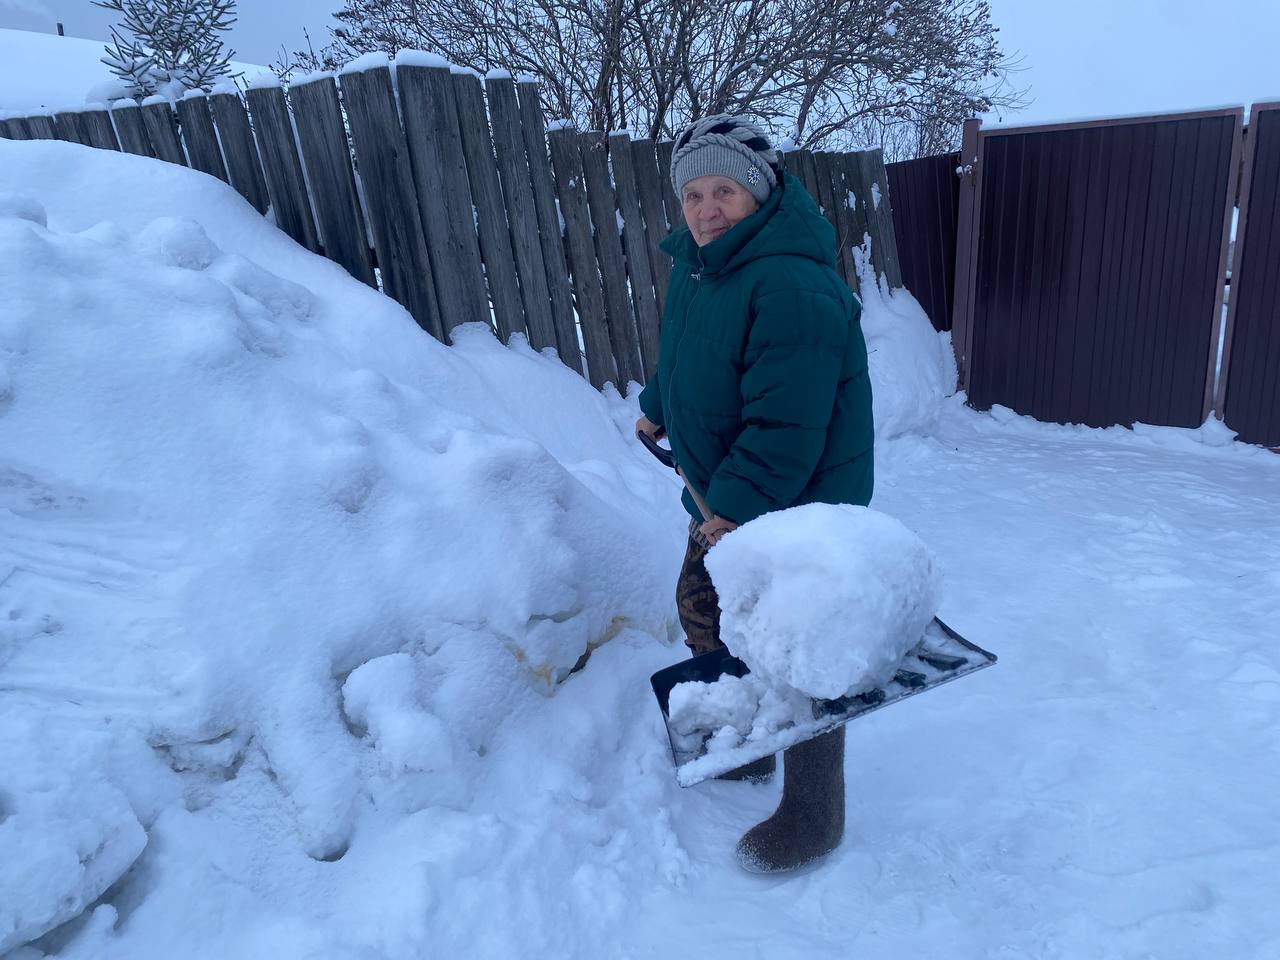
(667, 458)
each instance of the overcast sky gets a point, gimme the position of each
(1079, 58)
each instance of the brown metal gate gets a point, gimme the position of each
(1090, 266)
(1249, 383)
(926, 205)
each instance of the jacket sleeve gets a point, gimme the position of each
(793, 361)
(651, 402)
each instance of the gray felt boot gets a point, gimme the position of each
(809, 821)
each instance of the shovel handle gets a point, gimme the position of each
(665, 456)
(668, 459)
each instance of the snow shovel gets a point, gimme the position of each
(942, 655)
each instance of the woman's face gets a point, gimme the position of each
(714, 204)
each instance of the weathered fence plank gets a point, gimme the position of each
(672, 203)
(846, 200)
(790, 161)
(604, 219)
(98, 130)
(637, 252)
(550, 232)
(162, 129)
(649, 183)
(18, 128)
(566, 158)
(807, 172)
(323, 139)
(879, 212)
(281, 166)
(67, 126)
(200, 137)
(243, 165)
(826, 199)
(127, 116)
(444, 194)
(809, 163)
(382, 157)
(857, 213)
(832, 200)
(513, 167)
(822, 187)
(40, 127)
(491, 212)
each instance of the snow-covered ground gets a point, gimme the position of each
(289, 594)
(44, 72)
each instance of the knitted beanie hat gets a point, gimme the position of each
(727, 146)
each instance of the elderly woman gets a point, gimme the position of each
(762, 388)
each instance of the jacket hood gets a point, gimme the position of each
(789, 222)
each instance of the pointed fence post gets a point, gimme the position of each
(550, 232)
(566, 158)
(445, 205)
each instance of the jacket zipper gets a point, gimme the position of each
(675, 365)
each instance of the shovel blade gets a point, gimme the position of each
(941, 656)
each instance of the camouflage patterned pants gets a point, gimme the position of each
(696, 600)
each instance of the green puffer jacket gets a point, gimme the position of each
(762, 380)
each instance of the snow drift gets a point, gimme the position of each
(245, 514)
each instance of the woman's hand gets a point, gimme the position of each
(715, 528)
(647, 426)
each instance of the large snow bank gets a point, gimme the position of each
(252, 517)
(824, 598)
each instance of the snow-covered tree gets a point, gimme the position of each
(168, 46)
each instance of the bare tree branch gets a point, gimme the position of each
(901, 74)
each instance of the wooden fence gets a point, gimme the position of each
(452, 196)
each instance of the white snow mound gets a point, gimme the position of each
(911, 365)
(266, 548)
(824, 598)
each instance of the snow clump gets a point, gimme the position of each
(824, 598)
